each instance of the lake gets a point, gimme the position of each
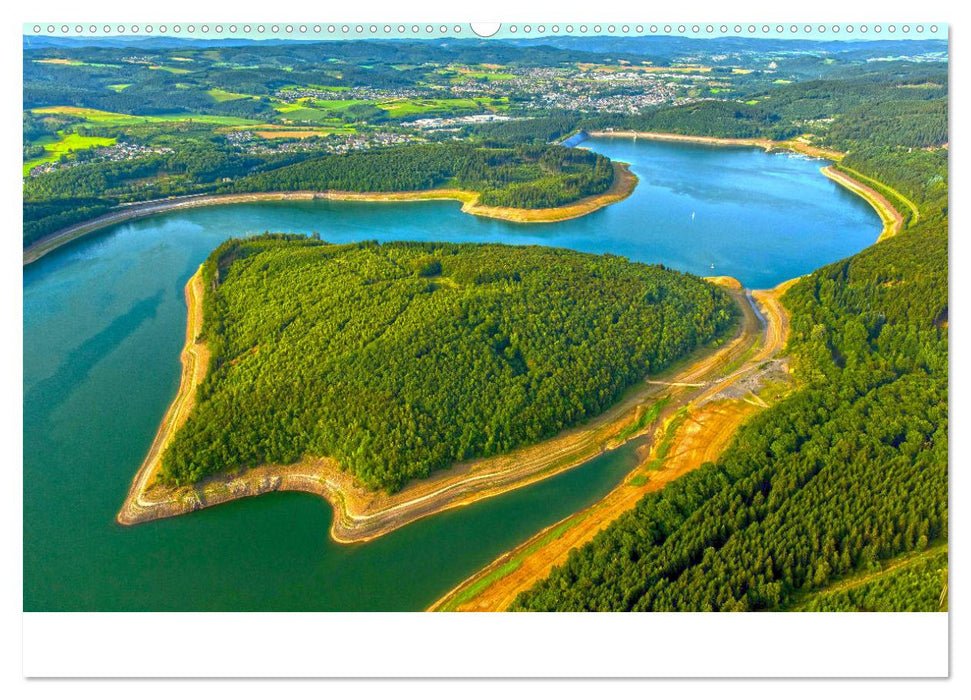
(104, 322)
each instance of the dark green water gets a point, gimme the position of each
(104, 321)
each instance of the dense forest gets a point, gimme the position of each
(399, 359)
(528, 177)
(844, 474)
(538, 130)
(920, 175)
(719, 118)
(916, 585)
(71, 195)
(44, 217)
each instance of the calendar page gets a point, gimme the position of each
(346, 317)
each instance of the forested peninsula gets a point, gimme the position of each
(512, 183)
(400, 359)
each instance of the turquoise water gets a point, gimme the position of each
(104, 321)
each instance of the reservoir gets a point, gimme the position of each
(104, 322)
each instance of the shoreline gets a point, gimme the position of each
(360, 514)
(195, 363)
(892, 219)
(795, 144)
(623, 185)
(698, 433)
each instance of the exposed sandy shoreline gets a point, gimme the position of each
(195, 363)
(623, 185)
(797, 144)
(361, 514)
(892, 220)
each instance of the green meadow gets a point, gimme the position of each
(220, 95)
(102, 118)
(69, 143)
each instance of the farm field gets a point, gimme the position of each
(103, 118)
(276, 131)
(69, 143)
(225, 96)
(317, 110)
(406, 108)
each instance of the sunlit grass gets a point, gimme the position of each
(66, 145)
